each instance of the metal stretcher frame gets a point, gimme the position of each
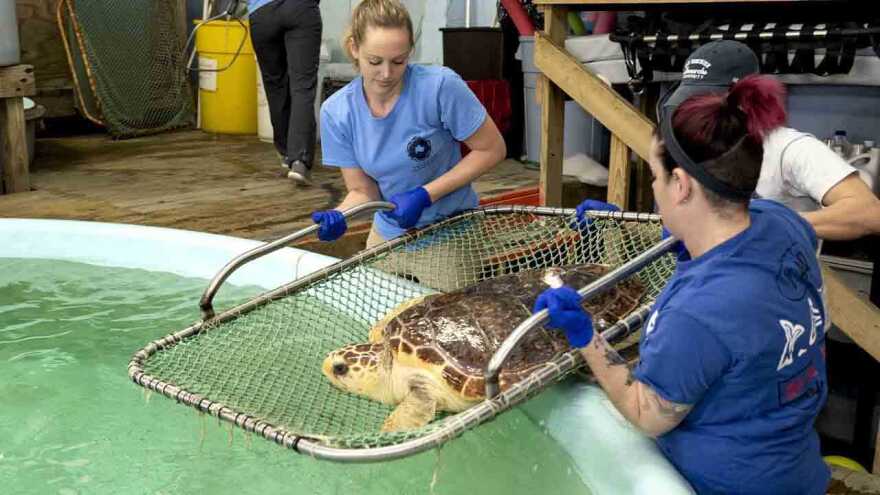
(496, 401)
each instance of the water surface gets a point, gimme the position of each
(72, 422)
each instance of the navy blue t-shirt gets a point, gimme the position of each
(739, 333)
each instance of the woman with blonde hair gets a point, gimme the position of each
(394, 131)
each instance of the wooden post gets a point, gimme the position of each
(855, 316)
(876, 469)
(552, 117)
(16, 81)
(13, 147)
(619, 173)
(874, 297)
(859, 320)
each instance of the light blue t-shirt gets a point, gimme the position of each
(739, 333)
(255, 4)
(414, 144)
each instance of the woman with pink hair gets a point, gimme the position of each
(731, 374)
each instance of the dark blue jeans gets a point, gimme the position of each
(286, 35)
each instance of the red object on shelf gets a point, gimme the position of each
(604, 22)
(528, 196)
(494, 94)
(520, 18)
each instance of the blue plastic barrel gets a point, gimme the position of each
(10, 53)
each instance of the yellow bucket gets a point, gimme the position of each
(227, 99)
(844, 462)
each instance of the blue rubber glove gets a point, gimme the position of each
(408, 207)
(681, 252)
(331, 224)
(566, 314)
(592, 204)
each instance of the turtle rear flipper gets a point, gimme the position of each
(415, 410)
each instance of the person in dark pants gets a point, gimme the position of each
(286, 35)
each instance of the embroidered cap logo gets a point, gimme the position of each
(696, 68)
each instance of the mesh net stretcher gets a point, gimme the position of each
(258, 365)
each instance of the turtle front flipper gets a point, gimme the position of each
(416, 409)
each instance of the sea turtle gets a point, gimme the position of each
(429, 354)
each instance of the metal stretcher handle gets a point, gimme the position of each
(206, 303)
(599, 286)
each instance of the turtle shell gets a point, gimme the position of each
(456, 333)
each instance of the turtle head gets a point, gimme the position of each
(362, 369)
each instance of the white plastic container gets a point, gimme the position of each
(581, 132)
(264, 123)
(10, 52)
(868, 165)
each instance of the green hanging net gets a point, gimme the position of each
(126, 59)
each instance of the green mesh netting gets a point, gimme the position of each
(266, 362)
(127, 63)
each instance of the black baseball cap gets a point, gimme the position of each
(712, 68)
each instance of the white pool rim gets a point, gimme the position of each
(181, 252)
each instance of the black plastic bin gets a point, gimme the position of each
(475, 53)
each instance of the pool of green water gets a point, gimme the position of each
(72, 422)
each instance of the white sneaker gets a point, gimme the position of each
(300, 173)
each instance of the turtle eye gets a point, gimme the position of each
(340, 369)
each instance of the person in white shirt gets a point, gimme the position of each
(798, 170)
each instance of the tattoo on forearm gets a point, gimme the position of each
(630, 378)
(669, 410)
(615, 359)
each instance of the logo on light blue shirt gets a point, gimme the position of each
(419, 148)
